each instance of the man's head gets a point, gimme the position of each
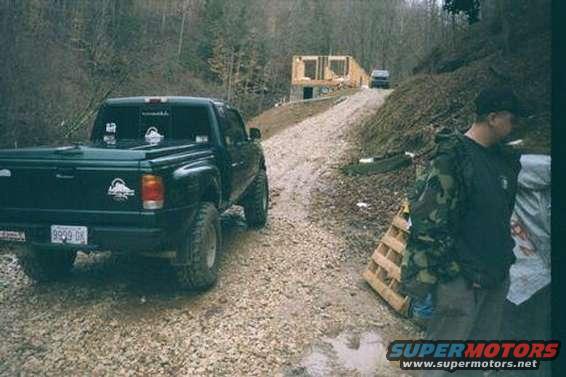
(498, 110)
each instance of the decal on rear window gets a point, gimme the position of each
(153, 136)
(109, 139)
(201, 139)
(156, 113)
(111, 127)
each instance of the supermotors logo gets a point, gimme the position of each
(471, 354)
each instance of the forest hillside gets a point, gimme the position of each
(514, 50)
(61, 58)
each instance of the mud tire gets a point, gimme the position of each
(43, 265)
(256, 202)
(198, 240)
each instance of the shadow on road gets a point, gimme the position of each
(135, 285)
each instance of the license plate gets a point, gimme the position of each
(76, 235)
(9, 235)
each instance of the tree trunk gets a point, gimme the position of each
(230, 70)
(181, 32)
(453, 31)
(506, 16)
(164, 17)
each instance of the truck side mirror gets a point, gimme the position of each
(255, 134)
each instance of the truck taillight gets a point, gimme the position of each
(153, 192)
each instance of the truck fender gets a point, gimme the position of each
(204, 178)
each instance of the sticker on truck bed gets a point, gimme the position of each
(9, 235)
(119, 191)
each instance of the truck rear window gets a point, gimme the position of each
(187, 122)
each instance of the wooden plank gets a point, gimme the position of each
(390, 231)
(372, 266)
(394, 244)
(392, 269)
(401, 237)
(394, 299)
(381, 249)
(386, 279)
(401, 223)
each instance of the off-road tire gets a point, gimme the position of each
(44, 265)
(198, 273)
(256, 202)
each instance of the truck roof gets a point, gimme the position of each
(164, 99)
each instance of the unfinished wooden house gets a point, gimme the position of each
(315, 75)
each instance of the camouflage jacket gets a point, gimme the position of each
(437, 202)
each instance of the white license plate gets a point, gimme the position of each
(77, 235)
(9, 235)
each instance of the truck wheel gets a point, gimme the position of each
(256, 201)
(202, 242)
(46, 265)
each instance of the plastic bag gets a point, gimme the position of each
(530, 226)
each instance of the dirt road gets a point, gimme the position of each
(287, 303)
(300, 155)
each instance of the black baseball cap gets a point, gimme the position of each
(495, 99)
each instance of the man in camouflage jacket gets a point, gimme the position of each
(460, 246)
(434, 203)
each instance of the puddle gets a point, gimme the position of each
(363, 353)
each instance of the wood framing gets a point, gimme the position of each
(384, 268)
(327, 70)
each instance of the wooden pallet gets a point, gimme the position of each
(384, 269)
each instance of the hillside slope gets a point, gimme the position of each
(442, 91)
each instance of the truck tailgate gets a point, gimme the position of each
(70, 185)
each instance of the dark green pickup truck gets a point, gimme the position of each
(153, 180)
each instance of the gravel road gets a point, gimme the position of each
(287, 303)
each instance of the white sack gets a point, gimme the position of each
(530, 226)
